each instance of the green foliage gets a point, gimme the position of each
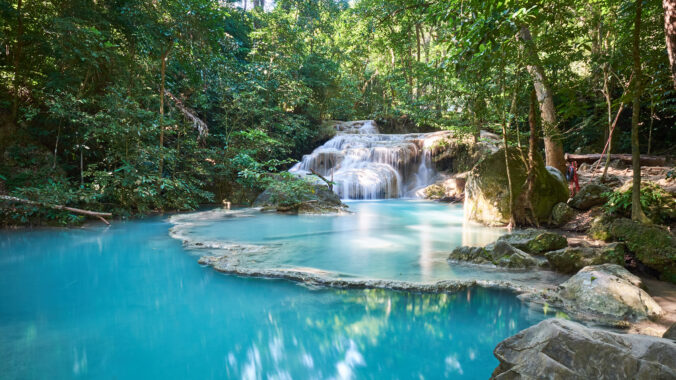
(657, 203)
(85, 77)
(287, 190)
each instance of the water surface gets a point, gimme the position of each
(406, 240)
(130, 302)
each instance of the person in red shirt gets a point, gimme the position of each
(573, 180)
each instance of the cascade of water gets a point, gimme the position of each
(365, 164)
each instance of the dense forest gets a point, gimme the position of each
(135, 106)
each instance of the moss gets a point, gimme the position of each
(535, 241)
(600, 228)
(653, 245)
(487, 195)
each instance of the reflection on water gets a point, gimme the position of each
(404, 240)
(129, 302)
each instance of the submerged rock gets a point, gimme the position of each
(535, 241)
(561, 349)
(487, 195)
(590, 195)
(572, 259)
(608, 292)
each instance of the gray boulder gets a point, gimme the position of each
(670, 333)
(561, 349)
(499, 253)
(609, 293)
(590, 195)
(535, 241)
(572, 259)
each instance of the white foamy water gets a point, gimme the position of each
(365, 164)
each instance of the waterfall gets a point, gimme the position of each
(365, 164)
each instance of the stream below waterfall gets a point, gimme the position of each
(130, 301)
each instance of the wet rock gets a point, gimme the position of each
(500, 253)
(590, 195)
(561, 349)
(670, 333)
(608, 292)
(562, 214)
(487, 195)
(535, 241)
(653, 245)
(476, 255)
(572, 259)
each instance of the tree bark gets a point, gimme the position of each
(628, 158)
(97, 214)
(636, 209)
(552, 135)
(17, 60)
(530, 174)
(163, 69)
(670, 33)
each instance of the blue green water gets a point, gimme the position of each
(130, 302)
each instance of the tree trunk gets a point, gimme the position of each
(532, 139)
(17, 60)
(552, 135)
(163, 70)
(636, 209)
(670, 33)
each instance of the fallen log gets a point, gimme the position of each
(591, 158)
(96, 214)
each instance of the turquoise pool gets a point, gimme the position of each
(129, 301)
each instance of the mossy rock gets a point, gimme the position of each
(600, 227)
(562, 214)
(572, 259)
(500, 253)
(290, 195)
(590, 195)
(487, 195)
(653, 245)
(535, 241)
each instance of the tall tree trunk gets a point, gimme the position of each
(670, 33)
(636, 209)
(17, 59)
(532, 139)
(552, 135)
(163, 71)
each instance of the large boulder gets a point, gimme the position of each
(608, 292)
(535, 241)
(590, 195)
(653, 245)
(562, 349)
(572, 259)
(299, 197)
(487, 195)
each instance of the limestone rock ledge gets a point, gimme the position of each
(561, 349)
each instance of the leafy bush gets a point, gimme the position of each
(287, 190)
(658, 204)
